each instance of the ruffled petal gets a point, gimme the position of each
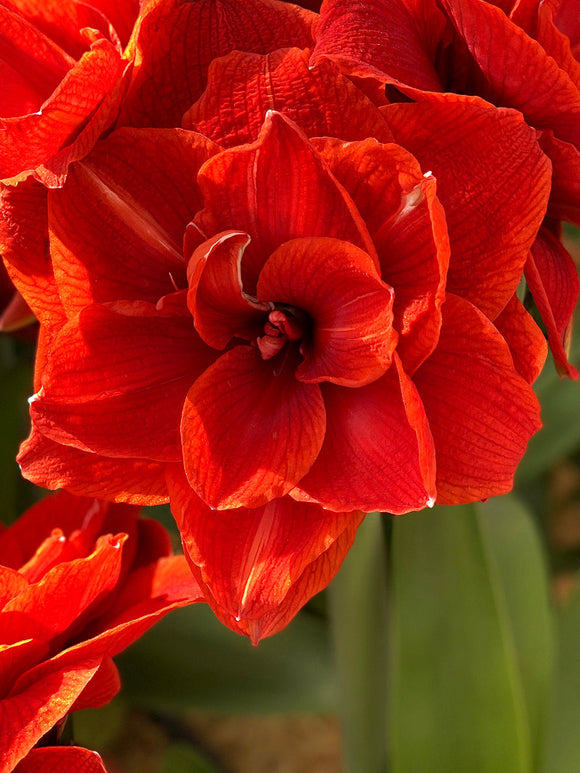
(177, 40)
(407, 223)
(524, 338)
(378, 452)
(493, 182)
(117, 226)
(243, 87)
(116, 381)
(276, 189)
(379, 38)
(259, 567)
(216, 298)
(250, 430)
(349, 338)
(52, 465)
(480, 410)
(553, 281)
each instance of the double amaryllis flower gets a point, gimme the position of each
(280, 301)
(80, 580)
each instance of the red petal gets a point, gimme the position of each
(178, 40)
(54, 466)
(378, 38)
(259, 567)
(291, 194)
(116, 381)
(23, 244)
(68, 591)
(64, 20)
(243, 87)
(27, 714)
(102, 688)
(494, 203)
(408, 227)
(378, 451)
(129, 212)
(524, 338)
(250, 430)
(565, 194)
(81, 103)
(351, 341)
(12, 584)
(480, 411)
(61, 759)
(518, 71)
(166, 582)
(216, 299)
(553, 280)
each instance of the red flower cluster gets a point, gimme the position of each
(79, 581)
(283, 286)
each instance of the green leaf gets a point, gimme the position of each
(191, 660)
(563, 739)
(472, 647)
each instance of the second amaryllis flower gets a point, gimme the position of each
(267, 331)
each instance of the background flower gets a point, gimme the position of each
(81, 580)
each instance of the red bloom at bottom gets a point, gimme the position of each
(80, 580)
(61, 759)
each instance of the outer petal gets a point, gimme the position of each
(250, 430)
(26, 715)
(493, 181)
(553, 280)
(243, 87)
(378, 452)
(54, 466)
(259, 567)
(130, 202)
(518, 70)
(61, 759)
(24, 247)
(380, 39)
(177, 40)
(565, 194)
(524, 338)
(407, 223)
(76, 113)
(350, 309)
(480, 411)
(116, 381)
(276, 189)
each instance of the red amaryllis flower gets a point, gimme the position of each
(61, 759)
(513, 54)
(80, 580)
(61, 65)
(277, 330)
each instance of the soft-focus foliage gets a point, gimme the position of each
(80, 580)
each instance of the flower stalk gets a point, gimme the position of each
(359, 615)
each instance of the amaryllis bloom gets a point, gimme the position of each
(284, 334)
(80, 580)
(512, 54)
(61, 759)
(61, 65)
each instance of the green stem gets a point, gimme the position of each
(359, 612)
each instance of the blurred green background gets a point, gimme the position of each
(470, 663)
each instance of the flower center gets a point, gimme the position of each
(284, 323)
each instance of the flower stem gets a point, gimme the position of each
(359, 613)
